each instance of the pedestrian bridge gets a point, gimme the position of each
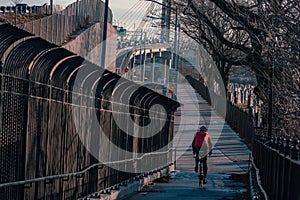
(67, 126)
(57, 110)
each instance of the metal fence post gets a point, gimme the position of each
(295, 149)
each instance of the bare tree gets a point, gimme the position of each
(261, 34)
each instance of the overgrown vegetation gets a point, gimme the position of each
(19, 18)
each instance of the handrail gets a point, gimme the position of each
(16, 183)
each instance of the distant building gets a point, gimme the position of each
(24, 8)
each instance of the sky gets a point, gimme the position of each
(118, 7)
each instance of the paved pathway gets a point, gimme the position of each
(230, 156)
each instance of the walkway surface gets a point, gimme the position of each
(226, 167)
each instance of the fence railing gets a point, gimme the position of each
(277, 158)
(48, 180)
(50, 100)
(256, 189)
(240, 120)
(278, 161)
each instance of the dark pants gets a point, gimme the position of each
(202, 160)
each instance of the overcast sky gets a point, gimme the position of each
(118, 6)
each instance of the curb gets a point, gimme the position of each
(256, 189)
(129, 187)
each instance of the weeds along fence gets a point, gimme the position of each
(59, 27)
(276, 157)
(55, 107)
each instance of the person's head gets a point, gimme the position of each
(203, 128)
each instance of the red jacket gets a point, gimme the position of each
(202, 139)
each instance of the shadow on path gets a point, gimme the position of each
(227, 167)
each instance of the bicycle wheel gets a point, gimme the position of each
(201, 175)
(201, 178)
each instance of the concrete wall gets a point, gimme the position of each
(57, 28)
(89, 46)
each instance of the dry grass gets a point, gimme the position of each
(19, 18)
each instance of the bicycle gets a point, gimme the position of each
(201, 175)
(200, 170)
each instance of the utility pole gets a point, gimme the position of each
(166, 18)
(270, 102)
(163, 23)
(167, 8)
(51, 7)
(77, 13)
(104, 35)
